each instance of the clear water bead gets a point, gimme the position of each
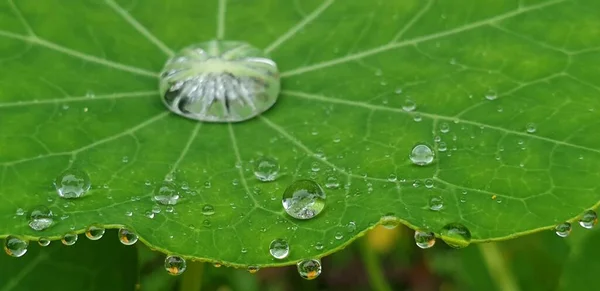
(456, 235)
(15, 247)
(166, 193)
(563, 229)
(127, 237)
(309, 269)
(72, 183)
(253, 269)
(424, 239)
(266, 169)
(421, 155)
(44, 242)
(303, 199)
(175, 265)
(40, 218)
(279, 249)
(220, 81)
(436, 203)
(94, 232)
(208, 210)
(69, 239)
(588, 219)
(389, 221)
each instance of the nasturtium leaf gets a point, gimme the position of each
(504, 92)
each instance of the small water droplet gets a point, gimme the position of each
(279, 249)
(429, 183)
(339, 235)
(128, 213)
(444, 127)
(175, 265)
(409, 105)
(417, 117)
(266, 169)
(156, 209)
(588, 219)
(125, 159)
(217, 265)
(398, 91)
(15, 247)
(244, 250)
(530, 128)
(309, 269)
(166, 193)
(20, 212)
(389, 221)
(491, 95)
(208, 210)
(424, 239)
(40, 218)
(421, 155)
(442, 147)
(563, 229)
(127, 237)
(44, 242)
(253, 269)
(303, 199)
(319, 246)
(436, 203)
(94, 232)
(69, 239)
(72, 183)
(351, 227)
(456, 235)
(392, 177)
(332, 183)
(149, 213)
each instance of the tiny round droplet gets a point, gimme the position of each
(44, 242)
(436, 203)
(303, 199)
(69, 239)
(309, 269)
(40, 218)
(491, 95)
(279, 249)
(15, 247)
(424, 239)
(266, 169)
(219, 81)
(422, 155)
(72, 183)
(563, 229)
(253, 269)
(94, 232)
(208, 210)
(530, 128)
(588, 219)
(175, 265)
(409, 105)
(166, 193)
(332, 183)
(456, 235)
(389, 221)
(428, 183)
(444, 127)
(338, 235)
(127, 237)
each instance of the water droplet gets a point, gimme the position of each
(436, 203)
(166, 193)
(219, 81)
(15, 247)
(319, 246)
(351, 227)
(398, 91)
(442, 147)
(149, 213)
(125, 159)
(303, 199)
(315, 167)
(392, 177)
(421, 155)
(417, 117)
(127, 237)
(217, 265)
(156, 209)
(332, 183)
(128, 213)
(563, 229)
(69, 239)
(44, 242)
(72, 183)
(94, 232)
(409, 105)
(20, 212)
(279, 249)
(491, 95)
(266, 169)
(429, 183)
(456, 235)
(253, 269)
(389, 221)
(208, 210)
(588, 219)
(175, 265)
(444, 127)
(530, 128)
(339, 235)
(309, 269)
(40, 218)
(424, 239)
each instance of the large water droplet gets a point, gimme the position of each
(72, 183)
(563, 229)
(279, 249)
(175, 265)
(69, 239)
(127, 237)
(40, 218)
(422, 155)
(303, 199)
(436, 203)
(94, 232)
(309, 269)
(166, 193)
(588, 219)
(456, 235)
(44, 242)
(266, 169)
(208, 210)
(424, 239)
(219, 81)
(15, 246)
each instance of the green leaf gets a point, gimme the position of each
(87, 265)
(343, 65)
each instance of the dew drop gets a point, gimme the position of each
(15, 247)
(266, 169)
(319, 246)
(309, 269)
(219, 81)
(127, 237)
(392, 177)
(72, 183)
(421, 155)
(20, 212)
(417, 117)
(253, 269)
(217, 265)
(436, 203)
(44, 242)
(389, 221)
(429, 183)
(338, 235)
(409, 105)
(444, 127)
(208, 210)
(530, 128)
(166, 193)
(442, 147)
(351, 227)
(303, 199)
(491, 95)
(332, 182)
(456, 235)
(279, 249)
(40, 218)
(94, 232)
(175, 265)
(563, 229)
(69, 239)
(424, 239)
(588, 219)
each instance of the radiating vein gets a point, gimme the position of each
(80, 98)
(221, 13)
(417, 40)
(292, 31)
(239, 165)
(20, 16)
(413, 20)
(139, 27)
(186, 148)
(76, 54)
